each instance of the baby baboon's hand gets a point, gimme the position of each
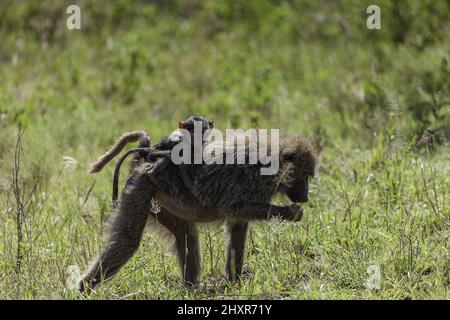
(293, 213)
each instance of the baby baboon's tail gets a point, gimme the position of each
(144, 142)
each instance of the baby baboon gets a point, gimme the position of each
(168, 142)
(159, 154)
(162, 162)
(237, 194)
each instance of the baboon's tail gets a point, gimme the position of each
(115, 192)
(144, 142)
(154, 153)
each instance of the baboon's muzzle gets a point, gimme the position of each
(298, 192)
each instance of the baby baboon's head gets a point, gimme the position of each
(189, 124)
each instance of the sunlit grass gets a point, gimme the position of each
(378, 111)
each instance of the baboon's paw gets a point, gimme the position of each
(296, 213)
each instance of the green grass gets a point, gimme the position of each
(376, 104)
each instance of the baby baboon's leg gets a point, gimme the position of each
(236, 246)
(263, 211)
(127, 226)
(187, 244)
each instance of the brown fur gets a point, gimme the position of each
(236, 193)
(126, 138)
(159, 154)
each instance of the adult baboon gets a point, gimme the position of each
(237, 194)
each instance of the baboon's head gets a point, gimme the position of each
(298, 161)
(189, 124)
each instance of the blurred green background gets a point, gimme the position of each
(375, 103)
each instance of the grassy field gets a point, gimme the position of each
(376, 103)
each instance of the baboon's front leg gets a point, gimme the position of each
(187, 244)
(236, 247)
(193, 260)
(127, 225)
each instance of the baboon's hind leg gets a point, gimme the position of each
(126, 231)
(187, 245)
(236, 247)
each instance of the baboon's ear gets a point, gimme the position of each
(211, 124)
(288, 155)
(181, 125)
